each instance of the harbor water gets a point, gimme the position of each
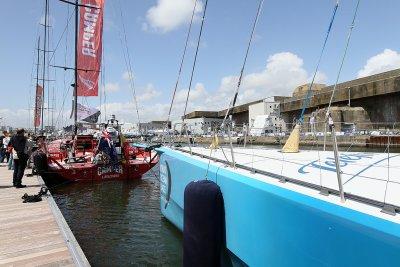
(118, 223)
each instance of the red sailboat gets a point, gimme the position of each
(85, 157)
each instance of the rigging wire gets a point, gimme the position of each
(103, 98)
(182, 61)
(30, 122)
(60, 115)
(53, 91)
(128, 64)
(233, 102)
(44, 63)
(29, 119)
(352, 25)
(308, 96)
(194, 61)
(104, 92)
(48, 67)
(64, 31)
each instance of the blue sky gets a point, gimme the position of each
(287, 43)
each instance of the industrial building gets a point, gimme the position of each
(199, 125)
(244, 114)
(366, 103)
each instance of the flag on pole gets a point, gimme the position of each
(90, 47)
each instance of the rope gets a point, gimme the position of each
(308, 96)
(343, 58)
(194, 61)
(232, 104)
(181, 64)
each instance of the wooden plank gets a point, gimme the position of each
(31, 233)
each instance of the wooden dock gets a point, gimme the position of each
(34, 234)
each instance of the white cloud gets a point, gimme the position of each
(197, 93)
(149, 93)
(15, 118)
(385, 61)
(126, 111)
(168, 15)
(111, 87)
(127, 75)
(319, 78)
(282, 74)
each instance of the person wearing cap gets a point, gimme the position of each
(106, 145)
(18, 142)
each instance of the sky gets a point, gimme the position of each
(283, 55)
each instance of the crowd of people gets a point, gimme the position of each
(15, 150)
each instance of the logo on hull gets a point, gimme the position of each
(109, 169)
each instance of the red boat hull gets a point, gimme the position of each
(134, 163)
(134, 169)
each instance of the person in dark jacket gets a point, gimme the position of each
(18, 142)
(2, 149)
(107, 147)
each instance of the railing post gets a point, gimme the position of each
(188, 138)
(245, 136)
(337, 162)
(231, 146)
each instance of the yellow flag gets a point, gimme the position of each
(214, 142)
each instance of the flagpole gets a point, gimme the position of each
(75, 106)
(37, 83)
(44, 61)
(76, 69)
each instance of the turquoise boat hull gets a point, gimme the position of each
(268, 225)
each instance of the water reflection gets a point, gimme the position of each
(118, 223)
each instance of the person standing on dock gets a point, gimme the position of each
(6, 141)
(312, 123)
(330, 122)
(2, 150)
(18, 142)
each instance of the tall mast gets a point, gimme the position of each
(75, 107)
(37, 77)
(44, 59)
(76, 69)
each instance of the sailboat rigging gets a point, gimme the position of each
(85, 157)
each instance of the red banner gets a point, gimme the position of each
(90, 47)
(38, 105)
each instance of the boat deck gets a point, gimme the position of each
(374, 176)
(33, 234)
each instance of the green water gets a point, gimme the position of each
(119, 223)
